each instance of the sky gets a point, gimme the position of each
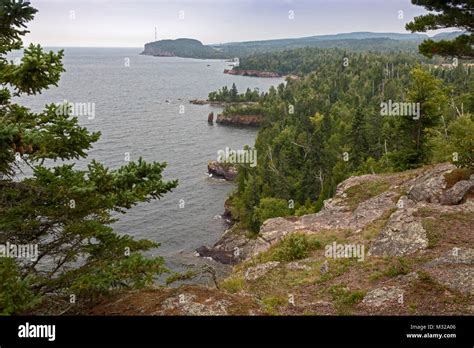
(132, 23)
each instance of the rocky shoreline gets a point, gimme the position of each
(403, 198)
(240, 120)
(252, 73)
(225, 171)
(416, 225)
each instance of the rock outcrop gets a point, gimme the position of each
(403, 232)
(456, 194)
(253, 73)
(454, 269)
(240, 120)
(254, 273)
(222, 170)
(199, 102)
(417, 226)
(383, 296)
(186, 300)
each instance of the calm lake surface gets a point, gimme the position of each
(137, 101)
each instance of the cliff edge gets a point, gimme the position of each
(389, 244)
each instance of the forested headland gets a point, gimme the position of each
(329, 125)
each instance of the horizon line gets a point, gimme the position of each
(257, 40)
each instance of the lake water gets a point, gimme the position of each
(137, 101)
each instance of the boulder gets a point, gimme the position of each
(254, 273)
(454, 269)
(383, 296)
(402, 235)
(222, 256)
(430, 186)
(296, 266)
(456, 194)
(187, 304)
(222, 170)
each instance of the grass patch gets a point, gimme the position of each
(432, 232)
(453, 228)
(344, 299)
(364, 191)
(457, 175)
(412, 308)
(271, 304)
(373, 229)
(395, 267)
(232, 284)
(336, 268)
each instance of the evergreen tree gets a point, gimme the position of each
(65, 212)
(234, 93)
(358, 138)
(447, 14)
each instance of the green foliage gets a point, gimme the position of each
(271, 207)
(427, 92)
(304, 57)
(345, 299)
(15, 291)
(460, 47)
(271, 303)
(321, 129)
(187, 48)
(456, 144)
(233, 284)
(233, 96)
(398, 266)
(295, 247)
(364, 191)
(461, 133)
(66, 212)
(243, 110)
(447, 14)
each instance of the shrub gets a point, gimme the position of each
(15, 293)
(295, 247)
(271, 207)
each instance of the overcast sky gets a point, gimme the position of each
(131, 23)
